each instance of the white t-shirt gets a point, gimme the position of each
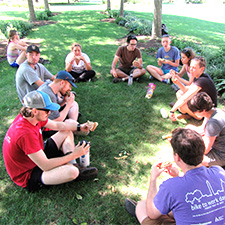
(80, 67)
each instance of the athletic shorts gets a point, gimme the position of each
(128, 71)
(35, 182)
(14, 65)
(165, 71)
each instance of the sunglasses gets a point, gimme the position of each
(46, 110)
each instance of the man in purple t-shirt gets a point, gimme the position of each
(195, 197)
(130, 61)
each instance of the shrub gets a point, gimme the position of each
(41, 15)
(139, 26)
(22, 27)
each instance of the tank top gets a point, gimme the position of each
(12, 55)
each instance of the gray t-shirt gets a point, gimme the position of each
(26, 77)
(216, 127)
(54, 98)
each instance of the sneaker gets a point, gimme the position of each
(130, 206)
(123, 79)
(86, 173)
(166, 81)
(116, 80)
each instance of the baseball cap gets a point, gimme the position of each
(39, 100)
(64, 75)
(33, 48)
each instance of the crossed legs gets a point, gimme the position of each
(64, 173)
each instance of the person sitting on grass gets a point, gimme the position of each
(168, 59)
(195, 196)
(202, 83)
(187, 54)
(33, 165)
(130, 61)
(212, 128)
(78, 64)
(58, 91)
(31, 74)
(16, 49)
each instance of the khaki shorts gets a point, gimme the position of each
(162, 220)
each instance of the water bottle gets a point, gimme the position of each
(130, 80)
(85, 160)
(150, 91)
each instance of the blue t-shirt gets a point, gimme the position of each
(173, 54)
(196, 198)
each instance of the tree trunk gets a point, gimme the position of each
(68, 1)
(157, 19)
(46, 5)
(31, 10)
(108, 5)
(121, 8)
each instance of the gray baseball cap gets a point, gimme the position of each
(39, 100)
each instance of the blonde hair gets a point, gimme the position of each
(75, 45)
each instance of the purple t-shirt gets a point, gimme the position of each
(196, 198)
(173, 54)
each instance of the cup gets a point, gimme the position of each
(85, 160)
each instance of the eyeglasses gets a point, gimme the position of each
(133, 44)
(46, 110)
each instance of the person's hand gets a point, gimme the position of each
(70, 99)
(80, 150)
(136, 64)
(156, 171)
(172, 171)
(81, 57)
(172, 117)
(85, 127)
(114, 73)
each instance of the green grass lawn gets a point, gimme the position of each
(128, 123)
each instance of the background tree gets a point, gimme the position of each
(157, 19)
(108, 5)
(121, 7)
(46, 5)
(31, 10)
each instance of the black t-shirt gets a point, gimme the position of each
(207, 85)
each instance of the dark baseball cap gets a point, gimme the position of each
(33, 48)
(64, 75)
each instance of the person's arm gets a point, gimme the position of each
(174, 64)
(69, 61)
(69, 124)
(114, 63)
(138, 64)
(39, 82)
(87, 65)
(45, 164)
(193, 89)
(19, 46)
(152, 211)
(63, 113)
(209, 141)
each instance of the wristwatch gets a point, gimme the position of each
(78, 127)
